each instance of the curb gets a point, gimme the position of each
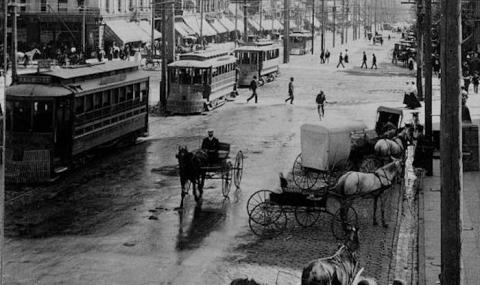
(421, 239)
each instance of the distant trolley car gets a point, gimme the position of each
(259, 59)
(300, 43)
(54, 117)
(200, 81)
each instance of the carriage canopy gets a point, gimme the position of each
(326, 143)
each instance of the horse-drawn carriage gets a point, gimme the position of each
(195, 168)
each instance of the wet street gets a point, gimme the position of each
(114, 219)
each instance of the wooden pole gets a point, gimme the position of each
(163, 83)
(346, 21)
(14, 42)
(343, 22)
(245, 35)
(451, 176)
(334, 22)
(323, 26)
(428, 81)
(286, 31)
(84, 28)
(419, 49)
(236, 24)
(201, 24)
(152, 31)
(313, 25)
(5, 43)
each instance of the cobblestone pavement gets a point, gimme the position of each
(114, 219)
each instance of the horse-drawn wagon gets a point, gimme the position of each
(195, 168)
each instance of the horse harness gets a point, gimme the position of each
(384, 186)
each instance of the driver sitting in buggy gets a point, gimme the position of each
(211, 145)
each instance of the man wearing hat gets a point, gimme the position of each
(210, 144)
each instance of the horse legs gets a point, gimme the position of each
(382, 208)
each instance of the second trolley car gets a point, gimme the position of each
(261, 59)
(300, 43)
(53, 117)
(200, 81)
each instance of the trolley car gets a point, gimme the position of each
(259, 59)
(54, 117)
(200, 81)
(300, 43)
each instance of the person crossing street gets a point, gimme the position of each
(320, 100)
(374, 61)
(290, 91)
(364, 61)
(340, 60)
(253, 87)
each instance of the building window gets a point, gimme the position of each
(43, 5)
(62, 5)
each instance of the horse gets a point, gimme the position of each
(353, 184)
(340, 268)
(389, 147)
(190, 169)
(27, 56)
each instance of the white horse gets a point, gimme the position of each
(389, 147)
(369, 185)
(27, 56)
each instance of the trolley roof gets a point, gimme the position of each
(258, 48)
(300, 35)
(214, 62)
(204, 55)
(89, 69)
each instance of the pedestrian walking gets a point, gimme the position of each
(253, 87)
(475, 81)
(322, 56)
(436, 66)
(290, 91)
(374, 61)
(364, 61)
(320, 100)
(466, 118)
(345, 57)
(340, 60)
(327, 56)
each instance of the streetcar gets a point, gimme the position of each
(54, 118)
(300, 43)
(200, 81)
(261, 59)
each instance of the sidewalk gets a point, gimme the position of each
(429, 229)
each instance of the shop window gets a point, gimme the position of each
(42, 116)
(22, 113)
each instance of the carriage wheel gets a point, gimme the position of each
(341, 167)
(238, 169)
(369, 165)
(267, 220)
(304, 178)
(257, 198)
(343, 217)
(227, 180)
(307, 216)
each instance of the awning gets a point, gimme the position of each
(183, 29)
(124, 32)
(217, 26)
(145, 25)
(227, 24)
(254, 24)
(194, 23)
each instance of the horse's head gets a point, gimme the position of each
(182, 154)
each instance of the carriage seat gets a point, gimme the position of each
(223, 151)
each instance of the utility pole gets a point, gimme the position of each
(323, 25)
(163, 86)
(313, 25)
(334, 22)
(419, 49)
(286, 31)
(260, 4)
(201, 24)
(14, 41)
(152, 37)
(236, 24)
(84, 27)
(343, 22)
(5, 48)
(375, 17)
(245, 36)
(451, 176)
(365, 18)
(346, 22)
(428, 81)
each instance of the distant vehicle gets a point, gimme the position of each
(300, 43)
(259, 59)
(55, 117)
(378, 39)
(200, 81)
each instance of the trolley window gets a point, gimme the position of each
(129, 92)
(22, 114)
(42, 116)
(97, 100)
(106, 98)
(79, 105)
(88, 102)
(121, 97)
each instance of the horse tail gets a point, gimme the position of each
(340, 186)
(382, 147)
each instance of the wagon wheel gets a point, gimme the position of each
(267, 220)
(344, 216)
(369, 165)
(227, 179)
(257, 198)
(238, 169)
(304, 178)
(338, 169)
(307, 216)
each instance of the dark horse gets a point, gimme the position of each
(190, 169)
